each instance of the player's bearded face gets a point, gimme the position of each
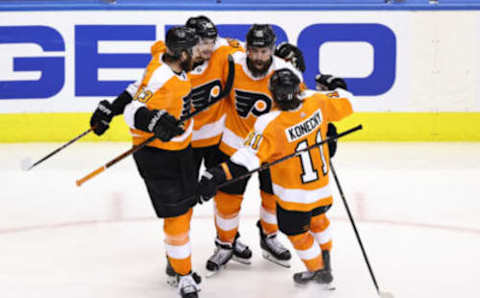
(187, 62)
(204, 49)
(259, 60)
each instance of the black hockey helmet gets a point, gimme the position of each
(285, 87)
(179, 39)
(203, 27)
(260, 36)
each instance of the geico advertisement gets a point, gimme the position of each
(66, 61)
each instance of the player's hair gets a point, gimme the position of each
(180, 39)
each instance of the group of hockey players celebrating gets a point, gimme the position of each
(253, 109)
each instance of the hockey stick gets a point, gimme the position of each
(357, 235)
(268, 165)
(225, 92)
(26, 166)
(296, 153)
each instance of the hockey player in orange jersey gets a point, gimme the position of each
(249, 98)
(209, 76)
(166, 164)
(300, 184)
(324, 83)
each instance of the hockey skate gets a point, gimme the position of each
(188, 285)
(173, 277)
(322, 276)
(273, 250)
(241, 252)
(223, 253)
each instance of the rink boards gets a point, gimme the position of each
(415, 74)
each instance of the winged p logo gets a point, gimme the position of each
(248, 102)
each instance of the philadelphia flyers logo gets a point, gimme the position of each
(248, 102)
(186, 106)
(206, 94)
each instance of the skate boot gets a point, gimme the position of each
(322, 276)
(273, 250)
(326, 260)
(172, 276)
(241, 252)
(188, 285)
(223, 253)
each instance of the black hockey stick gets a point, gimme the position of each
(296, 153)
(357, 235)
(223, 93)
(26, 164)
(268, 165)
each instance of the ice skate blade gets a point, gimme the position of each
(328, 287)
(385, 294)
(212, 273)
(266, 255)
(241, 260)
(172, 281)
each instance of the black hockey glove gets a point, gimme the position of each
(292, 54)
(105, 111)
(329, 82)
(101, 118)
(159, 122)
(332, 133)
(207, 187)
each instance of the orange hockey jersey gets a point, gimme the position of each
(207, 81)
(300, 183)
(249, 99)
(161, 89)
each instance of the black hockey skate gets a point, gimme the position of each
(173, 277)
(322, 276)
(188, 285)
(326, 260)
(241, 252)
(223, 253)
(273, 250)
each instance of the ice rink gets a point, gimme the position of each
(416, 206)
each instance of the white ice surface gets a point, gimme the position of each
(416, 206)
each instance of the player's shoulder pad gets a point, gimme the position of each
(279, 63)
(264, 120)
(220, 42)
(161, 75)
(239, 57)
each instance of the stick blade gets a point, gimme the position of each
(385, 294)
(26, 164)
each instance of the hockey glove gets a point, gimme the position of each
(158, 122)
(332, 145)
(292, 54)
(101, 118)
(105, 111)
(164, 125)
(329, 82)
(207, 187)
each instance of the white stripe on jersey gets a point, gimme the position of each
(209, 130)
(302, 196)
